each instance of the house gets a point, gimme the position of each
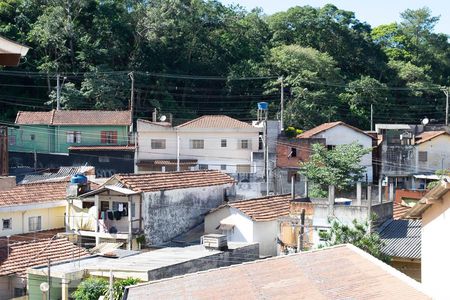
(32, 207)
(160, 206)
(434, 209)
(341, 272)
(251, 221)
(433, 151)
(11, 52)
(401, 242)
(21, 255)
(49, 139)
(214, 142)
(146, 266)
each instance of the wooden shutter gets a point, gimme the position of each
(114, 137)
(103, 137)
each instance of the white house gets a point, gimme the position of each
(251, 221)
(215, 142)
(434, 208)
(433, 151)
(339, 133)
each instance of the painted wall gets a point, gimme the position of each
(436, 247)
(438, 154)
(8, 284)
(168, 214)
(411, 268)
(51, 217)
(265, 233)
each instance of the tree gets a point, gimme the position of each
(358, 235)
(340, 167)
(90, 289)
(119, 287)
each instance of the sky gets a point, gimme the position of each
(374, 12)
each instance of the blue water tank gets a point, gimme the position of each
(78, 179)
(263, 105)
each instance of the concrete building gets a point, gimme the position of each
(159, 206)
(146, 266)
(434, 209)
(251, 221)
(343, 271)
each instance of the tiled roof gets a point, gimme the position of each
(34, 193)
(402, 238)
(173, 180)
(23, 255)
(74, 117)
(264, 208)
(102, 148)
(399, 211)
(342, 272)
(325, 126)
(428, 135)
(215, 121)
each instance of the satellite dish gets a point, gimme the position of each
(425, 121)
(163, 118)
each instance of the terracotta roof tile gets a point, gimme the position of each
(74, 117)
(215, 121)
(342, 272)
(173, 180)
(428, 135)
(23, 255)
(399, 211)
(264, 208)
(325, 126)
(34, 193)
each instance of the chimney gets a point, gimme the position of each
(214, 241)
(155, 115)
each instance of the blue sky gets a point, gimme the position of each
(374, 12)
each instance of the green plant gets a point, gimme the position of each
(119, 287)
(90, 289)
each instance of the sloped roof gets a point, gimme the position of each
(325, 126)
(74, 117)
(23, 255)
(435, 194)
(34, 193)
(172, 180)
(341, 272)
(265, 208)
(429, 135)
(402, 238)
(215, 121)
(63, 174)
(399, 211)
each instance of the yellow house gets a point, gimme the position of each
(32, 207)
(434, 208)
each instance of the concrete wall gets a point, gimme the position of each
(438, 154)
(265, 233)
(8, 284)
(168, 214)
(51, 217)
(435, 248)
(410, 268)
(222, 259)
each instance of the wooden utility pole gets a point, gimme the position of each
(302, 229)
(58, 93)
(131, 74)
(4, 166)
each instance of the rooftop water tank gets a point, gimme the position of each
(78, 179)
(263, 105)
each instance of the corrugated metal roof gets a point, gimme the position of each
(402, 238)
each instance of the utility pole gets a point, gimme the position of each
(282, 103)
(58, 93)
(446, 91)
(49, 278)
(302, 231)
(111, 285)
(266, 146)
(371, 117)
(131, 74)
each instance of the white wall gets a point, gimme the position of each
(436, 248)
(340, 135)
(438, 156)
(265, 233)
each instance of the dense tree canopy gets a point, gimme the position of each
(194, 57)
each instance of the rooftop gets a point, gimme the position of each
(172, 180)
(74, 117)
(402, 238)
(265, 208)
(215, 121)
(63, 174)
(341, 272)
(326, 126)
(429, 135)
(399, 211)
(33, 193)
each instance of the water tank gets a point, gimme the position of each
(263, 105)
(79, 179)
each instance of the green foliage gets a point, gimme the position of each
(291, 132)
(441, 174)
(90, 289)
(357, 234)
(119, 287)
(339, 167)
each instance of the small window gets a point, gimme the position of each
(12, 140)
(120, 207)
(197, 144)
(223, 167)
(202, 167)
(32, 137)
(423, 156)
(245, 144)
(260, 141)
(223, 143)
(73, 137)
(331, 147)
(108, 137)
(34, 223)
(243, 168)
(7, 223)
(322, 235)
(158, 144)
(293, 152)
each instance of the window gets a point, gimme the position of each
(423, 156)
(108, 137)
(32, 137)
(34, 223)
(121, 207)
(223, 143)
(293, 152)
(322, 235)
(331, 147)
(7, 223)
(223, 167)
(12, 140)
(245, 144)
(243, 168)
(158, 144)
(202, 167)
(19, 292)
(197, 144)
(293, 173)
(73, 137)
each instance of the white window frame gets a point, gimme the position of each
(197, 144)
(34, 223)
(158, 143)
(73, 137)
(245, 142)
(423, 156)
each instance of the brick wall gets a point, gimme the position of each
(303, 151)
(414, 194)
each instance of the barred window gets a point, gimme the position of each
(197, 144)
(158, 144)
